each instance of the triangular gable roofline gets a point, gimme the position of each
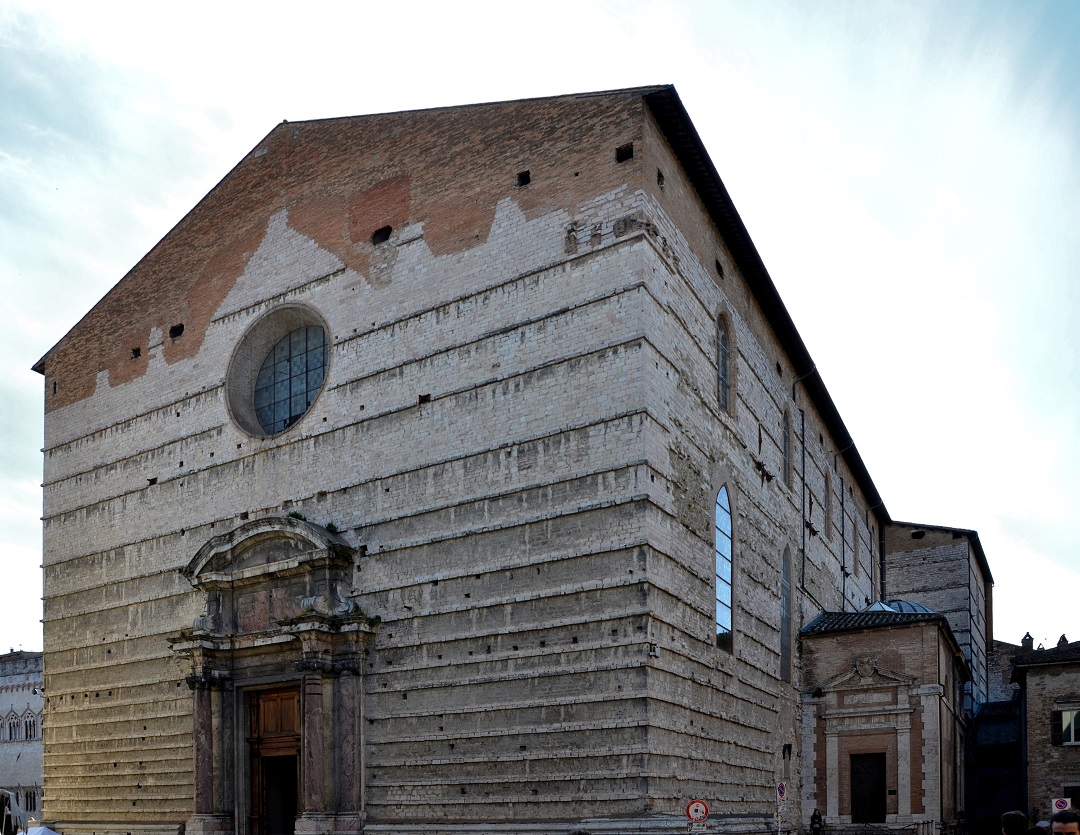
(39, 366)
(674, 121)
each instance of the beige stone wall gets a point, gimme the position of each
(519, 430)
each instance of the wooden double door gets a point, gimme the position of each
(274, 744)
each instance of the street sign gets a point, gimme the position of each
(697, 811)
(781, 792)
(1061, 804)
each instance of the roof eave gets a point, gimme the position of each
(670, 114)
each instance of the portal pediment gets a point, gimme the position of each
(270, 546)
(866, 674)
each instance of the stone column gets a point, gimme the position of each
(204, 748)
(211, 812)
(903, 757)
(313, 800)
(930, 695)
(832, 773)
(347, 744)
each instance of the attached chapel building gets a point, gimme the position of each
(460, 468)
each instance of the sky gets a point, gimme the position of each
(909, 172)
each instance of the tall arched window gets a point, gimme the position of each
(785, 449)
(30, 728)
(13, 729)
(723, 569)
(723, 365)
(785, 616)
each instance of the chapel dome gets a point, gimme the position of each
(910, 606)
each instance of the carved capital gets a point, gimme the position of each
(207, 678)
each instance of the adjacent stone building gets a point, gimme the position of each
(21, 702)
(996, 763)
(1049, 681)
(456, 467)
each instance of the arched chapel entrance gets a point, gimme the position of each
(276, 676)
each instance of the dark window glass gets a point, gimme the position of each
(786, 451)
(785, 616)
(290, 378)
(722, 361)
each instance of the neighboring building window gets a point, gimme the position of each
(1065, 727)
(290, 378)
(723, 365)
(30, 728)
(785, 616)
(785, 442)
(30, 801)
(723, 569)
(13, 729)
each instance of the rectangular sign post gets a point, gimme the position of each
(781, 800)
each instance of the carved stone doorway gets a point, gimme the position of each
(276, 673)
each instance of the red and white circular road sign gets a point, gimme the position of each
(697, 810)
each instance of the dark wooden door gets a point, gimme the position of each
(868, 788)
(274, 742)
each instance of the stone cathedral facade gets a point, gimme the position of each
(457, 470)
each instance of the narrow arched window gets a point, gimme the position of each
(30, 728)
(785, 616)
(785, 444)
(828, 506)
(13, 729)
(723, 569)
(723, 365)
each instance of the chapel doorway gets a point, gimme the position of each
(868, 788)
(274, 743)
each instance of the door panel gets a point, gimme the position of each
(868, 788)
(274, 744)
(279, 795)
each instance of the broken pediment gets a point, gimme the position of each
(268, 572)
(273, 545)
